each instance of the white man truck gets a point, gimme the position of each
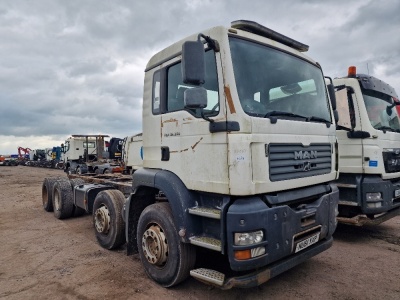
(369, 149)
(237, 156)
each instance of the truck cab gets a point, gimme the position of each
(239, 140)
(82, 152)
(369, 149)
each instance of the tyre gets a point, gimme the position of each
(47, 193)
(165, 258)
(78, 211)
(108, 224)
(63, 201)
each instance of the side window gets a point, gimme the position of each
(176, 88)
(156, 93)
(89, 144)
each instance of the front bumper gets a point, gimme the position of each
(262, 275)
(283, 226)
(387, 188)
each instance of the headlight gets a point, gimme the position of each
(373, 197)
(248, 238)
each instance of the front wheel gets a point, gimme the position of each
(165, 258)
(107, 219)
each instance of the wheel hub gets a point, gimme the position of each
(102, 219)
(155, 246)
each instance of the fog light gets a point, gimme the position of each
(397, 193)
(373, 197)
(249, 253)
(248, 238)
(374, 205)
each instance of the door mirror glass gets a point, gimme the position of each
(342, 107)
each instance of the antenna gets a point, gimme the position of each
(367, 69)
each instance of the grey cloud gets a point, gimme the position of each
(77, 66)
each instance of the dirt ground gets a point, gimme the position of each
(42, 257)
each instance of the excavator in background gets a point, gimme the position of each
(23, 155)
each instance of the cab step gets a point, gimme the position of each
(206, 242)
(209, 276)
(212, 213)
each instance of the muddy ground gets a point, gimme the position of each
(45, 258)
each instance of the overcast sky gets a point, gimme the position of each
(77, 66)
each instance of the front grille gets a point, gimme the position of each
(290, 161)
(391, 159)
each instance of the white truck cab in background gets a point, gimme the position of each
(368, 133)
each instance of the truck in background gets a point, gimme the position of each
(132, 153)
(7, 160)
(368, 133)
(91, 153)
(237, 156)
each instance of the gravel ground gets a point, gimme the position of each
(46, 258)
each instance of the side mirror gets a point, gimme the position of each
(193, 62)
(195, 98)
(389, 109)
(343, 109)
(358, 134)
(332, 96)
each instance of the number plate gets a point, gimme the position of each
(307, 242)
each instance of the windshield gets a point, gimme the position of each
(273, 83)
(382, 114)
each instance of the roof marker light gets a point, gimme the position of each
(352, 71)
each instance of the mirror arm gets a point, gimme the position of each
(206, 118)
(213, 44)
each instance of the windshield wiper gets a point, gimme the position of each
(318, 119)
(387, 128)
(277, 113)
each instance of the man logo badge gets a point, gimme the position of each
(306, 166)
(305, 154)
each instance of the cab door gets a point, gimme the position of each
(188, 148)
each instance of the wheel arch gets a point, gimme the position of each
(146, 183)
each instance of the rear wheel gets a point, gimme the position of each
(107, 219)
(63, 201)
(165, 258)
(47, 193)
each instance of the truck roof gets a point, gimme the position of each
(90, 135)
(369, 82)
(243, 28)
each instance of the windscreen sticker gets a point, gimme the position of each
(373, 163)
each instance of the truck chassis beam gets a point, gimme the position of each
(362, 220)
